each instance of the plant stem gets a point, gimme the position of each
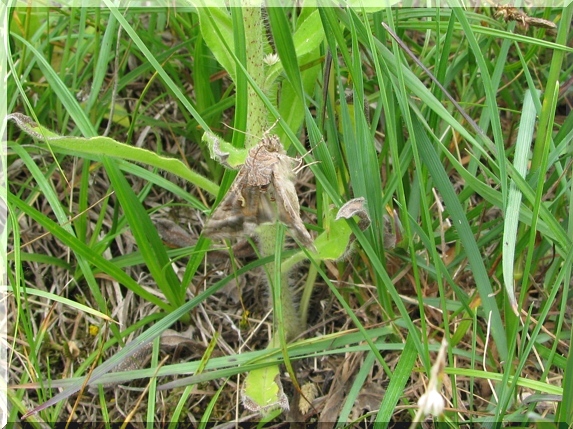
(291, 321)
(254, 39)
(256, 127)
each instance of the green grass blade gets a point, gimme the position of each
(85, 252)
(514, 199)
(61, 300)
(491, 112)
(442, 183)
(150, 245)
(398, 382)
(63, 93)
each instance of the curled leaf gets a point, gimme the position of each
(355, 207)
(27, 124)
(224, 153)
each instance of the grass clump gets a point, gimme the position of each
(463, 147)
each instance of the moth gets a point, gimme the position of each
(509, 13)
(263, 192)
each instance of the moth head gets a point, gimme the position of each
(272, 143)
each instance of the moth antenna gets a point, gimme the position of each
(302, 166)
(239, 131)
(300, 158)
(252, 135)
(267, 132)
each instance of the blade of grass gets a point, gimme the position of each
(511, 220)
(444, 186)
(356, 388)
(84, 252)
(61, 90)
(105, 55)
(150, 245)
(542, 142)
(151, 58)
(62, 300)
(398, 382)
(188, 390)
(228, 366)
(491, 112)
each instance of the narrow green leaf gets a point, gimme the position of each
(86, 252)
(66, 97)
(511, 220)
(491, 110)
(104, 56)
(460, 222)
(150, 245)
(62, 300)
(397, 384)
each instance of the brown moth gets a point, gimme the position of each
(509, 13)
(262, 192)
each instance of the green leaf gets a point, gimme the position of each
(99, 146)
(146, 236)
(333, 242)
(398, 382)
(62, 300)
(216, 21)
(511, 220)
(263, 391)
(306, 39)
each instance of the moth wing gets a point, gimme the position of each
(240, 211)
(227, 220)
(257, 210)
(259, 166)
(539, 22)
(287, 202)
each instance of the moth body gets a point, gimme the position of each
(263, 192)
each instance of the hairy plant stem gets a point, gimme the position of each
(291, 320)
(254, 39)
(257, 125)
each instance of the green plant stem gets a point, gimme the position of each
(254, 41)
(256, 127)
(292, 324)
